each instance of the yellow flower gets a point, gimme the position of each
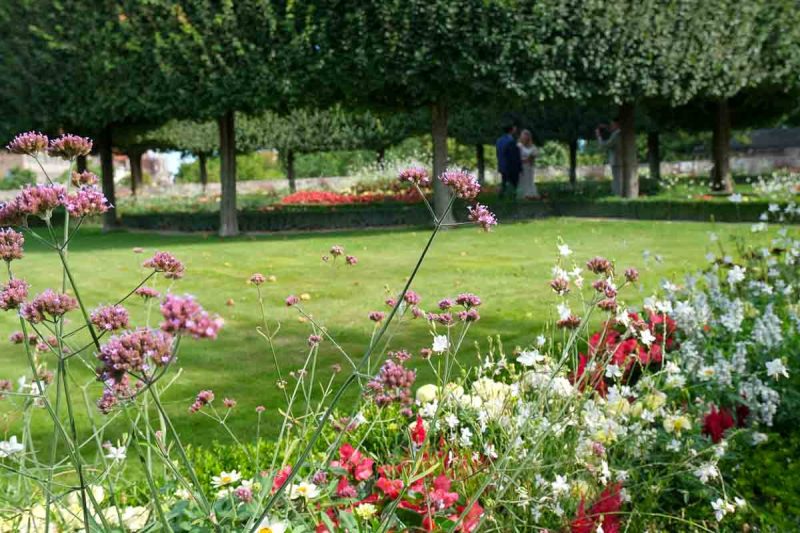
(305, 297)
(427, 393)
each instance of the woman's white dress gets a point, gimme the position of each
(527, 187)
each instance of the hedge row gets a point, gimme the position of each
(397, 214)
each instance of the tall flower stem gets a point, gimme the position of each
(350, 378)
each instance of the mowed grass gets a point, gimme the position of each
(509, 268)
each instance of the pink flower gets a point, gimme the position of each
(110, 318)
(560, 286)
(377, 316)
(608, 304)
(147, 292)
(344, 489)
(166, 263)
(445, 304)
(313, 340)
(244, 494)
(416, 175)
(463, 184)
(468, 300)
(441, 497)
(571, 322)
(86, 202)
(13, 294)
(203, 398)
(418, 432)
(470, 315)
(292, 300)
(412, 298)
(134, 351)
(40, 200)
(70, 146)
(351, 260)
(18, 338)
(281, 477)
(599, 265)
(48, 303)
(481, 215)
(336, 250)
(258, 279)
(11, 214)
(30, 143)
(11, 243)
(182, 314)
(390, 487)
(229, 403)
(631, 274)
(260, 409)
(80, 179)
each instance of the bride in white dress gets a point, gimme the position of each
(528, 153)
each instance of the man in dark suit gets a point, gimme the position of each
(509, 163)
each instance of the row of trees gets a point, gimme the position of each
(305, 76)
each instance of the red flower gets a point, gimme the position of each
(471, 519)
(441, 497)
(418, 433)
(390, 487)
(603, 513)
(356, 464)
(716, 422)
(344, 489)
(280, 477)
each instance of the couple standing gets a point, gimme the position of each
(515, 162)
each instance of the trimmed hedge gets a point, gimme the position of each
(286, 218)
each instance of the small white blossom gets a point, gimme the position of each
(776, 369)
(440, 344)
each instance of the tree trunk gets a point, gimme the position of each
(135, 159)
(630, 164)
(290, 170)
(80, 164)
(380, 157)
(228, 222)
(573, 163)
(720, 149)
(480, 157)
(654, 154)
(202, 159)
(107, 171)
(441, 194)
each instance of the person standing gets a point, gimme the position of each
(528, 153)
(509, 164)
(613, 144)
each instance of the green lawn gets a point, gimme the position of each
(508, 268)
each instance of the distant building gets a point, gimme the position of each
(783, 142)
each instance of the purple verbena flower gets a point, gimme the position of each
(632, 275)
(411, 297)
(167, 264)
(86, 202)
(257, 279)
(599, 265)
(481, 215)
(468, 300)
(337, 250)
(30, 143)
(70, 146)
(147, 292)
(416, 175)
(110, 317)
(377, 316)
(40, 200)
(351, 260)
(13, 294)
(85, 178)
(463, 184)
(203, 398)
(291, 300)
(48, 303)
(134, 351)
(11, 245)
(182, 314)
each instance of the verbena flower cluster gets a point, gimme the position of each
(183, 315)
(49, 305)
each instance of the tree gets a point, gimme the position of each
(433, 54)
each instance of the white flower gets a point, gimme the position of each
(563, 311)
(133, 518)
(740, 502)
(304, 489)
(613, 371)
(427, 393)
(451, 420)
(735, 275)
(736, 198)
(440, 343)
(465, 440)
(758, 438)
(268, 525)
(706, 472)
(365, 511)
(183, 493)
(560, 485)
(710, 257)
(490, 451)
(540, 340)
(721, 508)
(564, 251)
(530, 358)
(10, 447)
(225, 478)
(707, 372)
(647, 337)
(116, 453)
(776, 369)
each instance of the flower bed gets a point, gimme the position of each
(622, 414)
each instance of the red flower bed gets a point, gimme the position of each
(337, 198)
